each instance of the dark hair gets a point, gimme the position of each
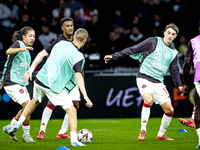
(65, 19)
(23, 31)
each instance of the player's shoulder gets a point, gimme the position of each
(16, 44)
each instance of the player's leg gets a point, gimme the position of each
(161, 96)
(197, 111)
(46, 115)
(64, 100)
(26, 126)
(38, 94)
(75, 96)
(145, 90)
(190, 122)
(11, 124)
(20, 95)
(166, 119)
(147, 97)
(72, 118)
(27, 111)
(62, 134)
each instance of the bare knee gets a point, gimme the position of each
(169, 110)
(71, 109)
(147, 97)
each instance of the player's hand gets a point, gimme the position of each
(107, 58)
(1, 85)
(184, 90)
(88, 102)
(27, 76)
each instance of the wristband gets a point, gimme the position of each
(31, 69)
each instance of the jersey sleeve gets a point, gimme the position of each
(15, 45)
(78, 66)
(139, 48)
(174, 72)
(189, 52)
(48, 49)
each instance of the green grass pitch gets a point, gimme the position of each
(108, 134)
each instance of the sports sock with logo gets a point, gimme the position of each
(145, 116)
(26, 128)
(166, 119)
(65, 125)
(13, 122)
(46, 115)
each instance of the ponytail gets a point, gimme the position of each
(21, 32)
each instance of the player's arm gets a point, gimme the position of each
(37, 60)
(15, 48)
(174, 72)
(187, 64)
(81, 83)
(139, 48)
(12, 51)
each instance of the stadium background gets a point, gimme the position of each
(112, 87)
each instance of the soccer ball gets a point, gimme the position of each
(85, 136)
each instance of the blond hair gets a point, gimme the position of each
(81, 34)
(173, 26)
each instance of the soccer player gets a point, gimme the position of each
(18, 62)
(192, 56)
(68, 28)
(65, 64)
(156, 55)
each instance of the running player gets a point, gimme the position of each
(193, 56)
(68, 28)
(18, 62)
(65, 64)
(156, 56)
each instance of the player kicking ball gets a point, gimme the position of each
(156, 56)
(65, 63)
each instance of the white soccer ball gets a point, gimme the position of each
(85, 136)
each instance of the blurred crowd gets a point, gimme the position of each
(112, 25)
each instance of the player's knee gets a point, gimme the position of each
(71, 109)
(170, 110)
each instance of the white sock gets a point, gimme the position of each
(13, 122)
(21, 119)
(46, 115)
(145, 116)
(26, 128)
(198, 133)
(166, 119)
(73, 135)
(65, 125)
(193, 112)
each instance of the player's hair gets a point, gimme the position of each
(173, 26)
(23, 31)
(81, 34)
(65, 19)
